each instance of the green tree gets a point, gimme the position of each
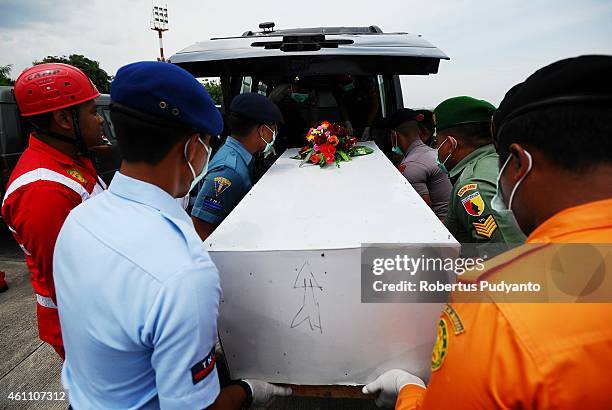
(5, 71)
(214, 89)
(90, 67)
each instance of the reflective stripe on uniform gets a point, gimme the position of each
(45, 301)
(44, 174)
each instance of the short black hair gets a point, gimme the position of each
(475, 135)
(574, 137)
(408, 127)
(240, 126)
(142, 141)
(428, 121)
(41, 121)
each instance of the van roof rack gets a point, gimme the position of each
(268, 29)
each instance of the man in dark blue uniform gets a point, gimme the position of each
(253, 121)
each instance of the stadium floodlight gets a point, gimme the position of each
(159, 23)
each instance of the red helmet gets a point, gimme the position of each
(54, 86)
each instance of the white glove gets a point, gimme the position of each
(366, 134)
(389, 385)
(349, 127)
(264, 393)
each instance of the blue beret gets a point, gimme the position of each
(168, 92)
(256, 107)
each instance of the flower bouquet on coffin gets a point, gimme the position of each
(330, 144)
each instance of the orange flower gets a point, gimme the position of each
(325, 124)
(333, 140)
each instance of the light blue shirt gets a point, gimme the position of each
(138, 300)
(227, 181)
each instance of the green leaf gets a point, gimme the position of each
(344, 156)
(361, 150)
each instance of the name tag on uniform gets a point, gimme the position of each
(204, 367)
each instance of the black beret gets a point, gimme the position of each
(401, 116)
(584, 79)
(256, 107)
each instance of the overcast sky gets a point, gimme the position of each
(493, 44)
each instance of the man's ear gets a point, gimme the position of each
(192, 146)
(63, 119)
(519, 163)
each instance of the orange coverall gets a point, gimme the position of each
(526, 355)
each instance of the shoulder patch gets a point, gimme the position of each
(402, 168)
(221, 184)
(439, 351)
(204, 367)
(466, 188)
(454, 318)
(473, 204)
(74, 173)
(486, 228)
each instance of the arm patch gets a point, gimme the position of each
(204, 367)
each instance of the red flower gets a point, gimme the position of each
(329, 158)
(320, 140)
(315, 158)
(327, 149)
(350, 143)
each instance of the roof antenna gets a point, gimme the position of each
(267, 27)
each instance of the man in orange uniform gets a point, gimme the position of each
(553, 133)
(53, 175)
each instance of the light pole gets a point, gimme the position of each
(159, 23)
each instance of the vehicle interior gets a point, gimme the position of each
(306, 101)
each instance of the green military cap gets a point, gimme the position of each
(461, 111)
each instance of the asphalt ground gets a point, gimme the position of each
(29, 367)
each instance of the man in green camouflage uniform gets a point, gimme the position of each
(467, 154)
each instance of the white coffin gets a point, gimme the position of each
(305, 226)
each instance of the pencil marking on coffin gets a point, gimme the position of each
(310, 311)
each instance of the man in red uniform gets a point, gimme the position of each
(53, 175)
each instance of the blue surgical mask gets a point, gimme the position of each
(299, 98)
(396, 149)
(497, 203)
(197, 177)
(269, 145)
(442, 165)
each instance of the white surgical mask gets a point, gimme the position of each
(197, 177)
(442, 164)
(269, 145)
(497, 203)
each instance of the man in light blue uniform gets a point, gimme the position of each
(138, 295)
(254, 122)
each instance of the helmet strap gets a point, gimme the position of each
(79, 142)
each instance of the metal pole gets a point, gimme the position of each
(161, 46)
